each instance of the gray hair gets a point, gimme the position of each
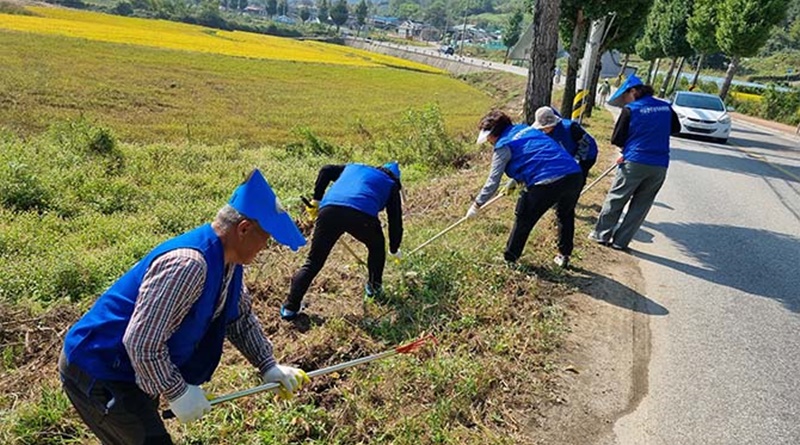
(228, 217)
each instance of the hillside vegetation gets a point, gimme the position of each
(108, 149)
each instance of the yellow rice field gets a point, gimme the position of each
(180, 36)
(746, 96)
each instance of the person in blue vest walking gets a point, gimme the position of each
(359, 192)
(549, 175)
(642, 131)
(159, 329)
(570, 135)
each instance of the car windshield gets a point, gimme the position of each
(697, 101)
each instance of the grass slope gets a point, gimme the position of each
(79, 207)
(152, 95)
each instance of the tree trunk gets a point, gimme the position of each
(543, 56)
(650, 71)
(697, 72)
(665, 83)
(572, 64)
(652, 80)
(505, 58)
(590, 99)
(677, 81)
(726, 85)
(625, 65)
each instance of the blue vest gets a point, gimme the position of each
(94, 343)
(535, 156)
(562, 133)
(648, 133)
(360, 187)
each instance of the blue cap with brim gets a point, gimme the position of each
(255, 200)
(393, 167)
(616, 99)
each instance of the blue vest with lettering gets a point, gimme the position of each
(94, 343)
(535, 156)
(648, 133)
(361, 187)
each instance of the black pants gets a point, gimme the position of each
(332, 222)
(534, 202)
(116, 412)
(586, 165)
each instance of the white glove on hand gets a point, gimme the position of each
(398, 255)
(191, 405)
(473, 210)
(291, 379)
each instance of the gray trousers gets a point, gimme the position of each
(637, 183)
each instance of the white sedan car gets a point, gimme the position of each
(702, 114)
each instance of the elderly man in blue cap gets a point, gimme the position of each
(159, 329)
(642, 132)
(359, 192)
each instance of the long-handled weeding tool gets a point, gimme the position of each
(454, 225)
(602, 175)
(404, 349)
(344, 243)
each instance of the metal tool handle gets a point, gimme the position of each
(168, 414)
(602, 175)
(454, 225)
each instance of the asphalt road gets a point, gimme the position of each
(720, 251)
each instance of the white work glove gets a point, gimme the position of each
(191, 405)
(291, 379)
(397, 255)
(473, 210)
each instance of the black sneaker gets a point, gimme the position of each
(288, 314)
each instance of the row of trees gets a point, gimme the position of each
(653, 29)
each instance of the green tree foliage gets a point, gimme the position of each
(271, 7)
(512, 31)
(436, 14)
(339, 13)
(673, 26)
(305, 14)
(323, 10)
(701, 27)
(649, 46)
(743, 28)
(408, 10)
(361, 12)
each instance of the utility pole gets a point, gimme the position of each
(587, 67)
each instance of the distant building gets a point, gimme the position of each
(384, 22)
(285, 19)
(255, 10)
(410, 29)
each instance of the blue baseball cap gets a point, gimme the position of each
(393, 167)
(630, 82)
(255, 200)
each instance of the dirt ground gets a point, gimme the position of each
(604, 358)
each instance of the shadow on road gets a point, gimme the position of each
(613, 292)
(735, 163)
(759, 262)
